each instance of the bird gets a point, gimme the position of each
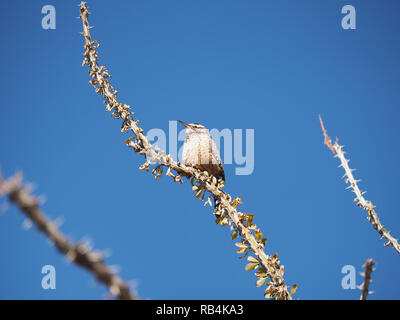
(200, 151)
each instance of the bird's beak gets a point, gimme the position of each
(185, 124)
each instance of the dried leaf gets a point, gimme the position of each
(260, 281)
(259, 235)
(242, 250)
(245, 255)
(237, 201)
(251, 266)
(250, 219)
(293, 289)
(198, 193)
(234, 234)
(252, 259)
(128, 140)
(263, 242)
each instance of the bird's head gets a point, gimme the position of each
(194, 128)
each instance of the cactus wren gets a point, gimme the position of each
(200, 151)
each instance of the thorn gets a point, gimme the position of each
(42, 199)
(4, 207)
(49, 242)
(59, 221)
(87, 242)
(115, 268)
(27, 224)
(106, 253)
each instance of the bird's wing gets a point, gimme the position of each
(216, 159)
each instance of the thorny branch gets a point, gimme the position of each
(369, 264)
(77, 253)
(353, 185)
(241, 223)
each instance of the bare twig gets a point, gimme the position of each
(78, 253)
(353, 185)
(241, 223)
(369, 264)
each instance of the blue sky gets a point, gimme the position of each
(271, 66)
